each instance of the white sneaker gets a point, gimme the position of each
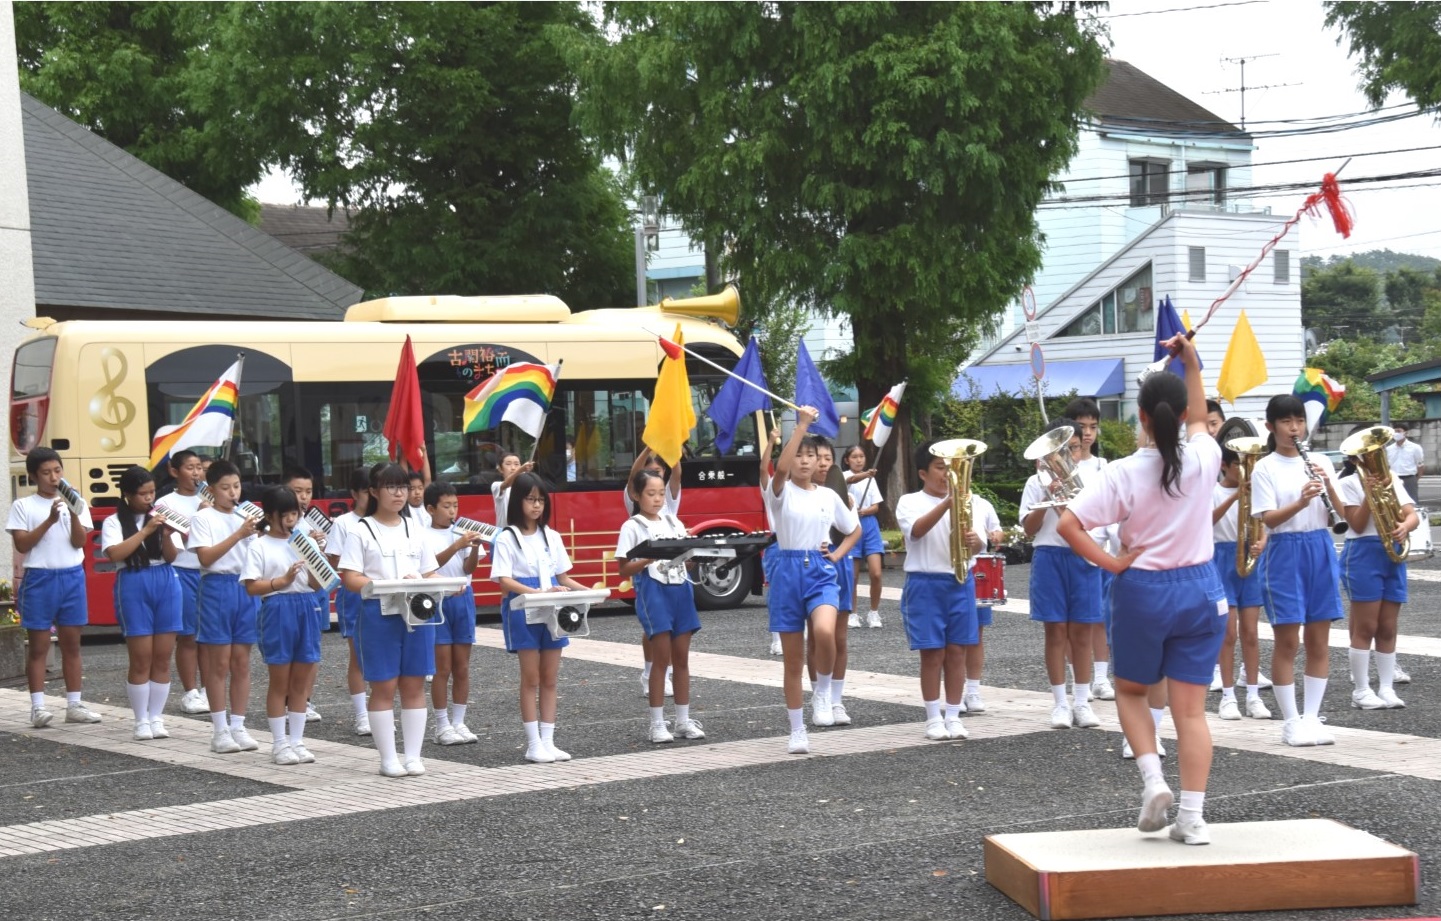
(1262, 681)
(40, 717)
(302, 753)
(283, 755)
(1399, 675)
(1229, 709)
(143, 732)
(362, 725)
(312, 715)
(1190, 832)
(1215, 679)
(854, 620)
(79, 713)
(645, 685)
(956, 729)
(1296, 733)
(776, 647)
(800, 743)
(689, 729)
(1126, 751)
(669, 690)
(415, 768)
(539, 753)
(873, 620)
(1256, 709)
(971, 702)
(1389, 698)
(465, 734)
(158, 730)
(221, 741)
(243, 739)
(555, 753)
(1318, 731)
(392, 769)
(1160, 747)
(659, 733)
(194, 702)
(936, 730)
(821, 714)
(447, 736)
(842, 718)
(1366, 699)
(1156, 800)
(1084, 717)
(1061, 717)
(1101, 689)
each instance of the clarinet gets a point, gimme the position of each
(1338, 524)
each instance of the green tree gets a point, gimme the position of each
(1397, 46)
(1408, 292)
(1342, 299)
(876, 161)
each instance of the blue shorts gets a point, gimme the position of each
(347, 610)
(228, 614)
(938, 611)
(147, 601)
(663, 608)
(800, 582)
(521, 635)
(52, 598)
(1107, 579)
(458, 620)
(1300, 578)
(287, 629)
(1367, 573)
(984, 617)
(845, 585)
(1168, 623)
(1064, 588)
(189, 594)
(1241, 591)
(322, 610)
(387, 649)
(870, 540)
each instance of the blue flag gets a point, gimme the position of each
(811, 390)
(735, 401)
(1168, 324)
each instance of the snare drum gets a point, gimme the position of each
(990, 578)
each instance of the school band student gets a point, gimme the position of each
(1376, 585)
(347, 602)
(52, 587)
(457, 553)
(300, 481)
(939, 613)
(147, 598)
(1169, 609)
(507, 467)
(1087, 417)
(227, 617)
(867, 500)
(650, 461)
(386, 545)
(1243, 597)
(288, 630)
(767, 470)
(187, 469)
(528, 556)
(828, 476)
(988, 527)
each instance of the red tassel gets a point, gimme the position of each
(671, 349)
(1330, 194)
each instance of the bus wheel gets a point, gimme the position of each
(718, 587)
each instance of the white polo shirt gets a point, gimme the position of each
(1353, 492)
(804, 517)
(271, 558)
(1278, 481)
(1405, 459)
(211, 526)
(53, 550)
(931, 552)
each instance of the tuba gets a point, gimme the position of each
(1243, 436)
(960, 455)
(1367, 450)
(1053, 452)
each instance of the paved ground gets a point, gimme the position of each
(877, 823)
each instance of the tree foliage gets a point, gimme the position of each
(1342, 299)
(1398, 47)
(877, 161)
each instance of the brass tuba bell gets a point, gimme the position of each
(1053, 452)
(1244, 437)
(1367, 450)
(960, 455)
(725, 306)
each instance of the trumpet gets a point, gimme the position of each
(960, 456)
(1249, 530)
(1053, 452)
(1367, 450)
(73, 500)
(1338, 524)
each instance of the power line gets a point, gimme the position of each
(1253, 165)
(1249, 192)
(1179, 9)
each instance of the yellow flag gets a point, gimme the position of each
(1244, 366)
(672, 415)
(1186, 320)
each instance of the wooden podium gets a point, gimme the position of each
(1249, 866)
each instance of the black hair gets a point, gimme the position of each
(416, 475)
(382, 476)
(1282, 406)
(1228, 456)
(279, 500)
(815, 443)
(846, 452)
(296, 472)
(360, 486)
(131, 482)
(639, 481)
(1082, 408)
(39, 456)
(519, 490)
(1163, 397)
(1214, 406)
(180, 457)
(500, 458)
(922, 456)
(437, 491)
(1063, 422)
(220, 469)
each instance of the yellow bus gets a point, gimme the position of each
(316, 394)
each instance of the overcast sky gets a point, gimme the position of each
(1183, 44)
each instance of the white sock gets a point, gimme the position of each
(1360, 668)
(822, 686)
(953, 711)
(1286, 698)
(1150, 765)
(37, 698)
(1058, 691)
(1315, 690)
(442, 719)
(1192, 801)
(358, 702)
(1083, 694)
(775, 637)
(237, 720)
(547, 732)
(875, 612)
(382, 733)
(1229, 693)
(973, 685)
(1158, 714)
(837, 686)
(670, 674)
(139, 695)
(682, 713)
(71, 698)
(218, 719)
(412, 729)
(657, 715)
(532, 732)
(277, 729)
(159, 694)
(1100, 669)
(797, 718)
(457, 714)
(933, 710)
(1386, 669)
(645, 671)
(296, 724)
(1253, 692)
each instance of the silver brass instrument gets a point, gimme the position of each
(314, 559)
(1338, 524)
(73, 500)
(1057, 470)
(1367, 450)
(960, 456)
(175, 520)
(487, 532)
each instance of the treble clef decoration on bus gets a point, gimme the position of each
(108, 411)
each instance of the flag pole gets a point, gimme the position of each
(235, 420)
(731, 374)
(535, 445)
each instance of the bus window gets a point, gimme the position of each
(30, 392)
(340, 430)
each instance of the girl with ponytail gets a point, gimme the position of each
(1168, 605)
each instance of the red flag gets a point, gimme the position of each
(404, 425)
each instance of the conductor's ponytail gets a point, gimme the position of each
(1163, 398)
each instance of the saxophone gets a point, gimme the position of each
(1367, 450)
(960, 455)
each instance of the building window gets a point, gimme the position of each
(1149, 182)
(1198, 263)
(1206, 182)
(1129, 308)
(1283, 266)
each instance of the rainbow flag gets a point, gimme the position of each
(878, 422)
(1319, 393)
(519, 393)
(209, 422)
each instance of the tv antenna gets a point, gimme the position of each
(1243, 61)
